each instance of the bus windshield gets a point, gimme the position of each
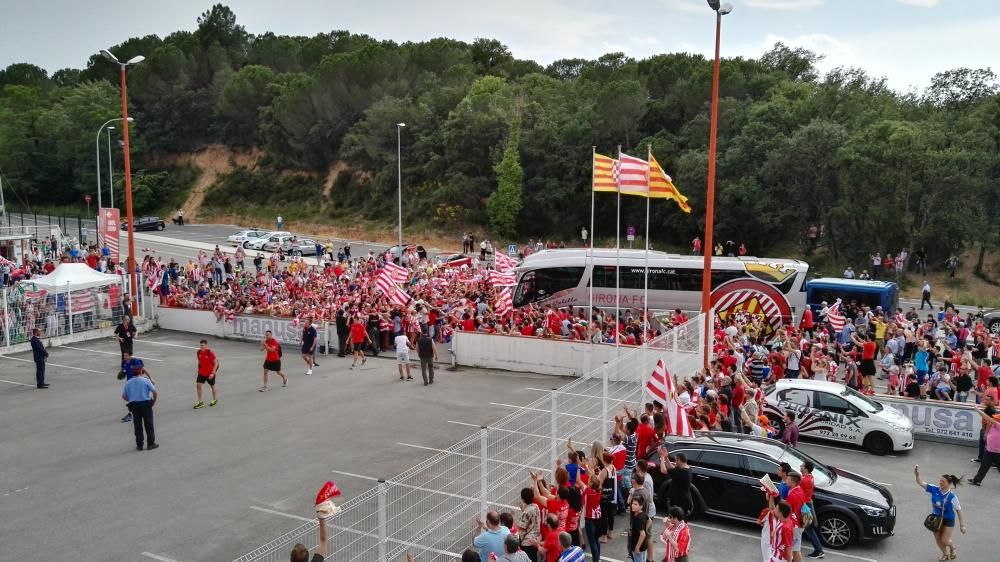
(541, 284)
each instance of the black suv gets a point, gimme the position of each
(146, 223)
(726, 469)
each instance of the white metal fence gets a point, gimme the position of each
(428, 510)
(24, 307)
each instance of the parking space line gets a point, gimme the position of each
(283, 514)
(20, 383)
(104, 352)
(170, 344)
(157, 557)
(52, 365)
(757, 538)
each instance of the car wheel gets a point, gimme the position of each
(246, 245)
(836, 530)
(878, 443)
(160, 227)
(777, 423)
(995, 327)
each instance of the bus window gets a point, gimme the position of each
(543, 283)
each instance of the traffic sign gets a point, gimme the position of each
(630, 233)
(86, 198)
(512, 250)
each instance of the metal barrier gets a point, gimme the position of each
(428, 510)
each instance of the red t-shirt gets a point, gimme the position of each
(982, 375)
(206, 362)
(357, 333)
(739, 395)
(868, 350)
(644, 437)
(271, 345)
(551, 544)
(808, 485)
(796, 499)
(777, 361)
(729, 361)
(592, 503)
(561, 508)
(528, 330)
(785, 538)
(468, 325)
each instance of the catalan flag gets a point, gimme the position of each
(661, 186)
(605, 173)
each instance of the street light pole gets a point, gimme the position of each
(133, 282)
(111, 177)
(706, 278)
(97, 158)
(399, 170)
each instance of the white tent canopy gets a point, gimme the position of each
(74, 276)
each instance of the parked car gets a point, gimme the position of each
(726, 469)
(394, 251)
(305, 247)
(274, 242)
(992, 321)
(832, 411)
(258, 243)
(242, 237)
(146, 223)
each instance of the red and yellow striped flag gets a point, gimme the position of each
(661, 186)
(605, 173)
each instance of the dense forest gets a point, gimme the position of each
(504, 145)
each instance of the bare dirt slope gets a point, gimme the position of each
(212, 160)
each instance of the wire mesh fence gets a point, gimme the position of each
(429, 509)
(25, 306)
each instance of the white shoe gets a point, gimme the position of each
(309, 371)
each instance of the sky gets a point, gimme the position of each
(905, 41)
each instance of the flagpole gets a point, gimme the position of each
(590, 292)
(618, 265)
(645, 287)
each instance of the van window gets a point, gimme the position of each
(831, 294)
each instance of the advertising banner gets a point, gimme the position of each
(108, 226)
(934, 419)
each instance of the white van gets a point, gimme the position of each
(828, 410)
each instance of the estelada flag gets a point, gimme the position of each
(328, 491)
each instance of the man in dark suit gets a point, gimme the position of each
(40, 355)
(342, 330)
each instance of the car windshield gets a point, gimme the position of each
(821, 474)
(867, 404)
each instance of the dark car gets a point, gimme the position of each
(146, 223)
(992, 321)
(726, 469)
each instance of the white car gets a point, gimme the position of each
(832, 411)
(242, 237)
(258, 243)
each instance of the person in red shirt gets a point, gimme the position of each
(867, 367)
(776, 360)
(784, 536)
(550, 544)
(358, 338)
(645, 435)
(208, 367)
(807, 323)
(272, 359)
(592, 515)
(796, 499)
(808, 485)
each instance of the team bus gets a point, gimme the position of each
(774, 288)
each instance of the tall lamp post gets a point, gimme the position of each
(133, 282)
(399, 173)
(706, 278)
(111, 170)
(97, 158)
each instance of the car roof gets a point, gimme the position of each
(850, 283)
(835, 387)
(743, 443)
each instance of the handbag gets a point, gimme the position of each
(933, 523)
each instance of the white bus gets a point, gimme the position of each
(774, 288)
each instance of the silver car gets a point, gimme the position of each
(243, 237)
(258, 243)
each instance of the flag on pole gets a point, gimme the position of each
(503, 263)
(633, 176)
(660, 385)
(835, 318)
(5, 261)
(605, 173)
(500, 279)
(396, 296)
(661, 186)
(503, 304)
(459, 262)
(397, 273)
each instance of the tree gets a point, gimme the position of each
(504, 205)
(247, 91)
(961, 86)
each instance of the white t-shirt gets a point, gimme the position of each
(402, 344)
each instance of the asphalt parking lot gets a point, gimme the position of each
(229, 478)
(225, 479)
